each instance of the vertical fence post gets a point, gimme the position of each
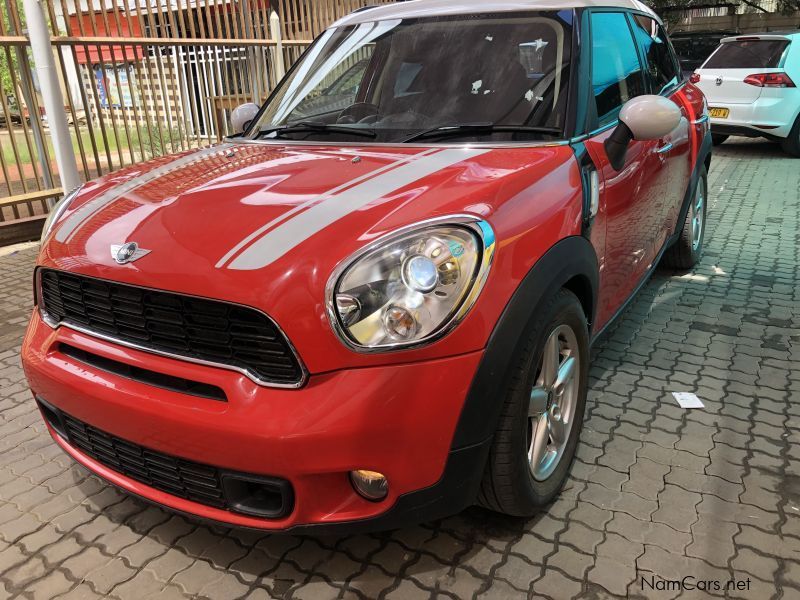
(51, 92)
(26, 84)
(275, 34)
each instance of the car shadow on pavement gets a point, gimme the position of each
(750, 148)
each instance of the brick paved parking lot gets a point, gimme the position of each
(657, 492)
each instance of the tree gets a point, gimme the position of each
(784, 6)
(8, 55)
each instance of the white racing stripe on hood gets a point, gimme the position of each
(73, 223)
(316, 200)
(291, 234)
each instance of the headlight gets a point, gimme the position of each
(411, 286)
(57, 211)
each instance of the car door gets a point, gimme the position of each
(630, 197)
(662, 74)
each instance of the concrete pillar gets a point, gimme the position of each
(51, 94)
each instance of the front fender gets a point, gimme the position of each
(570, 262)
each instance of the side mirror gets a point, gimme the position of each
(242, 115)
(641, 118)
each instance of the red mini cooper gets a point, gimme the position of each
(374, 306)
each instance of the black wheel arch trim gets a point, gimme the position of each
(569, 260)
(703, 160)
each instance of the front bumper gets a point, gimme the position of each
(397, 419)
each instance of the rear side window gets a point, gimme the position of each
(748, 54)
(616, 71)
(662, 69)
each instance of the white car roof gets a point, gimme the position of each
(416, 9)
(768, 35)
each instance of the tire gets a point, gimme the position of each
(685, 253)
(509, 483)
(718, 138)
(791, 145)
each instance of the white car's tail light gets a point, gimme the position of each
(412, 286)
(779, 80)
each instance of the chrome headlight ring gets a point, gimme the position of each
(411, 286)
(58, 210)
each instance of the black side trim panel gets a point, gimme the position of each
(572, 256)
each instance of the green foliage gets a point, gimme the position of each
(156, 138)
(784, 6)
(9, 28)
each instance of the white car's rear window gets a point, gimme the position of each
(748, 54)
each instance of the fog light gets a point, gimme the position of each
(370, 484)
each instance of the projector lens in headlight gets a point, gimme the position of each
(408, 288)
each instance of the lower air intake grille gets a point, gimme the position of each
(175, 324)
(181, 478)
(256, 495)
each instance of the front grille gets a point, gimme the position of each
(204, 484)
(175, 324)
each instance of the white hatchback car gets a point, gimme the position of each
(750, 82)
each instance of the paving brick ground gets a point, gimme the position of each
(656, 492)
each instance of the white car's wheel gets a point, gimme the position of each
(718, 138)
(791, 145)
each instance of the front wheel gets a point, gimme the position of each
(686, 252)
(536, 438)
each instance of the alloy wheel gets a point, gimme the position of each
(698, 222)
(553, 400)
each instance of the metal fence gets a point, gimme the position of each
(141, 78)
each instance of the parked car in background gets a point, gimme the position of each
(750, 82)
(694, 47)
(375, 315)
(14, 114)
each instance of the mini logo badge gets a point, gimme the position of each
(127, 253)
(718, 81)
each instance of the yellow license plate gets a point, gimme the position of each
(718, 113)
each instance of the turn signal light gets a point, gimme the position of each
(694, 78)
(779, 80)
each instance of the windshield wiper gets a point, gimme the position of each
(316, 127)
(478, 128)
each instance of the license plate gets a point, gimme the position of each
(718, 113)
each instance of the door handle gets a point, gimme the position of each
(664, 149)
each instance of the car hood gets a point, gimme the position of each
(266, 224)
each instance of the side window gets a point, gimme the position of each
(616, 71)
(661, 68)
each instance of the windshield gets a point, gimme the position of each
(748, 54)
(503, 77)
